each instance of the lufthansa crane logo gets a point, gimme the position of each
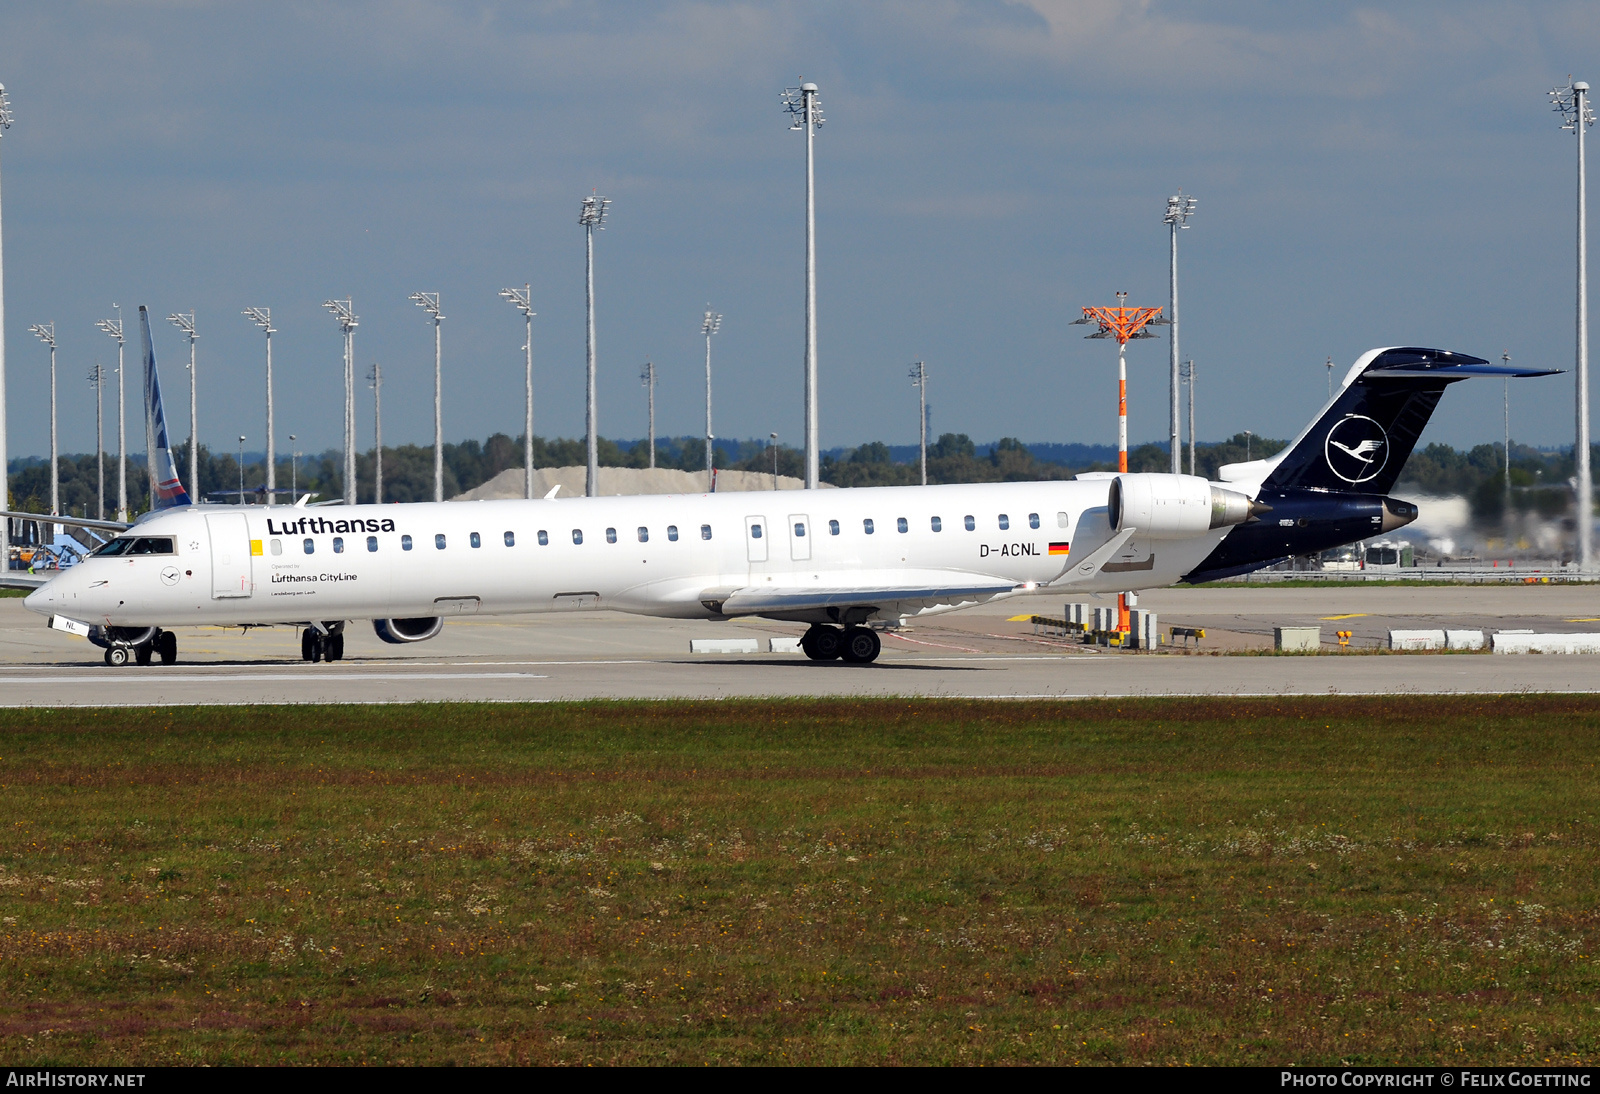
(1357, 448)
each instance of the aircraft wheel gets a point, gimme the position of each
(307, 639)
(117, 655)
(822, 643)
(142, 652)
(167, 647)
(861, 646)
(335, 647)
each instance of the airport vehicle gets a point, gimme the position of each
(841, 560)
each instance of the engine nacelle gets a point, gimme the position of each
(400, 631)
(1174, 506)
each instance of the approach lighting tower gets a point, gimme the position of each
(919, 380)
(805, 113)
(47, 335)
(97, 380)
(185, 323)
(5, 477)
(709, 326)
(1124, 324)
(1572, 103)
(344, 311)
(593, 218)
(113, 328)
(262, 317)
(429, 302)
(1180, 207)
(647, 377)
(522, 300)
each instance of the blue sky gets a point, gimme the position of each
(1367, 175)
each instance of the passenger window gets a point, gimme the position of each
(438, 541)
(1061, 520)
(511, 539)
(577, 536)
(799, 530)
(936, 524)
(755, 531)
(611, 535)
(405, 543)
(1033, 520)
(969, 522)
(372, 543)
(544, 538)
(644, 534)
(310, 546)
(338, 545)
(866, 525)
(900, 523)
(1005, 522)
(475, 540)
(705, 531)
(672, 532)
(275, 546)
(833, 527)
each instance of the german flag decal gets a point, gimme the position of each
(1058, 548)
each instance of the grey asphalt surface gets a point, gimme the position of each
(985, 652)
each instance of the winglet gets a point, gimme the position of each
(552, 492)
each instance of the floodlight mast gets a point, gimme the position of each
(1572, 103)
(97, 380)
(376, 376)
(47, 335)
(344, 312)
(429, 302)
(647, 377)
(806, 113)
(262, 317)
(185, 323)
(711, 325)
(1180, 208)
(113, 328)
(522, 300)
(919, 380)
(593, 218)
(5, 476)
(1189, 375)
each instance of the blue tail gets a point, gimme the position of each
(166, 492)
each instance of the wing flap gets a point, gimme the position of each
(752, 600)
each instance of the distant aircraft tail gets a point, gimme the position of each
(166, 492)
(1362, 439)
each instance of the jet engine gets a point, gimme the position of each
(1175, 506)
(401, 631)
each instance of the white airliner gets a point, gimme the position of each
(845, 561)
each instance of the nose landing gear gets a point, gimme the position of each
(152, 644)
(854, 645)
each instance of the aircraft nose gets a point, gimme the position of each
(41, 600)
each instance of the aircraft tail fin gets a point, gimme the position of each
(1363, 437)
(166, 491)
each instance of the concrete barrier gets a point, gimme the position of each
(1463, 640)
(1296, 638)
(1528, 642)
(724, 645)
(784, 645)
(1416, 640)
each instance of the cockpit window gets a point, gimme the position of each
(138, 545)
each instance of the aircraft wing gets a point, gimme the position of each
(22, 579)
(76, 522)
(887, 599)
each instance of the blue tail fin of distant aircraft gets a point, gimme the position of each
(166, 492)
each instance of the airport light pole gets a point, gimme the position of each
(1247, 436)
(919, 380)
(772, 443)
(1179, 209)
(429, 302)
(593, 218)
(1505, 359)
(294, 469)
(805, 112)
(523, 301)
(262, 317)
(1330, 379)
(47, 335)
(5, 466)
(647, 377)
(1572, 103)
(710, 326)
(113, 328)
(344, 312)
(376, 376)
(185, 323)
(1124, 324)
(97, 380)
(1188, 376)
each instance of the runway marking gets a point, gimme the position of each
(1592, 619)
(940, 645)
(1019, 619)
(192, 678)
(1353, 615)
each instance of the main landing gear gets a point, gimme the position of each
(318, 646)
(124, 645)
(855, 645)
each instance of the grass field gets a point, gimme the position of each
(1311, 881)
